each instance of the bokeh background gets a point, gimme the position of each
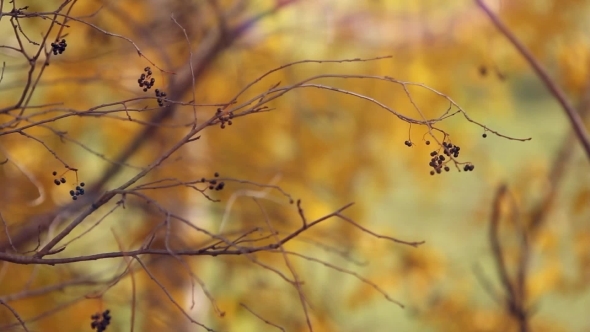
(325, 148)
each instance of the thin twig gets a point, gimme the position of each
(15, 314)
(261, 318)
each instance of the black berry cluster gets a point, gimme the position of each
(409, 144)
(78, 192)
(451, 150)
(146, 81)
(438, 162)
(214, 184)
(225, 119)
(58, 181)
(59, 47)
(100, 321)
(161, 95)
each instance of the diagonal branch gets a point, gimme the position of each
(574, 118)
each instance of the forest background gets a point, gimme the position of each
(506, 246)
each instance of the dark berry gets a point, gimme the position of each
(431, 172)
(484, 135)
(54, 173)
(62, 180)
(82, 184)
(72, 193)
(74, 197)
(216, 174)
(427, 142)
(56, 181)
(447, 168)
(408, 143)
(211, 187)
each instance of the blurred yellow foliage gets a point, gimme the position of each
(319, 145)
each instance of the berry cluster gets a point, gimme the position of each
(160, 95)
(225, 118)
(78, 192)
(101, 321)
(451, 149)
(59, 47)
(214, 184)
(58, 181)
(146, 81)
(73, 193)
(438, 162)
(409, 144)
